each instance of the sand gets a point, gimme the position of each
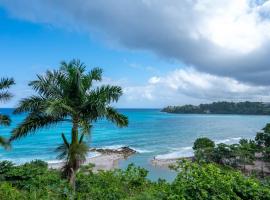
(101, 162)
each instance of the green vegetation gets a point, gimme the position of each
(68, 95)
(203, 143)
(34, 181)
(246, 152)
(243, 108)
(5, 95)
(203, 149)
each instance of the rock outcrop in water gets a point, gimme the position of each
(125, 151)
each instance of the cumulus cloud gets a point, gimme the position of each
(222, 37)
(191, 86)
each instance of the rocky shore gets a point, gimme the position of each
(167, 162)
(125, 151)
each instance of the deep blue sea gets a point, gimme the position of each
(150, 132)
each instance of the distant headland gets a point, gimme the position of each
(223, 107)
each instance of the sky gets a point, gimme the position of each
(161, 52)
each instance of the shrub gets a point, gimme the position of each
(10, 193)
(204, 148)
(203, 143)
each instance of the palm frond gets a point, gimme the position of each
(30, 104)
(65, 140)
(108, 93)
(74, 156)
(5, 120)
(114, 116)
(69, 68)
(5, 83)
(94, 75)
(85, 126)
(5, 96)
(62, 151)
(81, 139)
(49, 85)
(79, 65)
(97, 100)
(32, 123)
(4, 143)
(56, 107)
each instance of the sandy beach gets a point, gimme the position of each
(105, 159)
(101, 162)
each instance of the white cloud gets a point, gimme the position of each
(188, 85)
(222, 37)
(226, 41)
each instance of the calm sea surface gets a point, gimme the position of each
(150, 132)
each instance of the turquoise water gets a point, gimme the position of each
(150, 132)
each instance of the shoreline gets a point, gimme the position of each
(106, 159)
(166, 162)
(101, 162)
(257, 165)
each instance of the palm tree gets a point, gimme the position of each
(68, 95)
(5, 95)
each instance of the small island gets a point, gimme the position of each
(241, 108)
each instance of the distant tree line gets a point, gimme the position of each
(244, 108)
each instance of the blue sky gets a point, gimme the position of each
(160, 52)
(30, 48)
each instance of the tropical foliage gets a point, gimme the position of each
(69, 95)
(34, 181)
(5, 95)
(246, 152)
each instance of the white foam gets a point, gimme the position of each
(228, 140)
(54, 161)
(141, 150)
(119, 146)
(114, 147)
(93, 154)
(182, 152)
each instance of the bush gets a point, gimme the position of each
(10, 193)
(203, 143)
(117, 184)
(204, 148)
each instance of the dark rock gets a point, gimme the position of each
(126, 151)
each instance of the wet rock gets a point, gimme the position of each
(125, 151)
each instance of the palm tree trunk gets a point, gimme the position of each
(74, 133)
(74, 164)
(72, 179)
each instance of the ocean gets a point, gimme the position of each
(150, 132)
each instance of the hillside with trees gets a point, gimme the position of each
(242, 108)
